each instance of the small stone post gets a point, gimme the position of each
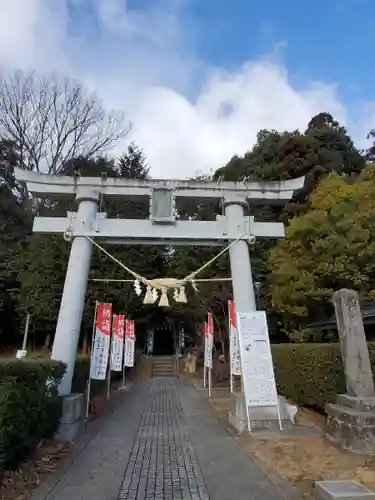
(351, 422)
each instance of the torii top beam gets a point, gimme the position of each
(55, 187)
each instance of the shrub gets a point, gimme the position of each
(311, 374)
(81, 376)
(30, 407)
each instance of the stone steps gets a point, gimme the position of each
(163, 366)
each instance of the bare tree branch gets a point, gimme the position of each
(50, 121)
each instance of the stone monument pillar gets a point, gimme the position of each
(351, 421)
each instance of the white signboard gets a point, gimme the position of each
(129, 344)
(101, 344)
(117, 346)
(256, 359)
(234, 342)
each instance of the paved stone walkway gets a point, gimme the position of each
(161, 443)
(162, 463)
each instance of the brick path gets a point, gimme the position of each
(161, 443)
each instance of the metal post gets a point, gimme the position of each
(123, 375)
(209, 381)
(26, 332)
(109, 383)
(73, 298)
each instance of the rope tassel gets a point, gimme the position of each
(164, 302)
(148, 296)
(182, 296)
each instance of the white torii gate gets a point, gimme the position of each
(161, 228)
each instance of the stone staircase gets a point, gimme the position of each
(163, 366)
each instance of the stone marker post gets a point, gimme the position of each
(351, 422)
(355, 356)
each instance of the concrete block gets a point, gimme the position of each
(342, 490)
(72, 419)
(260, 417)
(73, 408)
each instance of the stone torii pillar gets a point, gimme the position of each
(73, 297)
(242, 276)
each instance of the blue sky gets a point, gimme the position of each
(172, 66)
(322, 39)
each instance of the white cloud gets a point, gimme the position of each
(186, 115)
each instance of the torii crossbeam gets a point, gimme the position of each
(161, 227)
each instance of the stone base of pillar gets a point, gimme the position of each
(261, 418)
(351, 424)
(72, 420)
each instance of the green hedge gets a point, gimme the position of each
(30, 407)
(311, 374)
(81, 374)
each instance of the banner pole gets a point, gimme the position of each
(91, 353)
(109, 383)
(209, 382)
(110, 357)
(124, 358)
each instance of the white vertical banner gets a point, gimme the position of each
(129, 343)
(205, 354)
(234, 342)
(208, 343)
(101, 343)
(208, 350)
(117, 346)
(256, 361)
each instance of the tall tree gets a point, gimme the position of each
(324, 147)
(52, 120)
(15, 223)
(133, 163)
(329, 247)
(370, 151)
(42, 274)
